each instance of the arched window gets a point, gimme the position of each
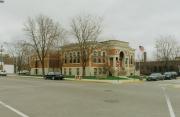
(121, 56)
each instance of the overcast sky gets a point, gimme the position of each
(139, 22)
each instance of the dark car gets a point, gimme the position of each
(174, 74)
(168, 75)
(155, 76)
(54, 76)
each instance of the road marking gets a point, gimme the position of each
(168, 103)
(13, 109)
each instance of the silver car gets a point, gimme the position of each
(155, 76)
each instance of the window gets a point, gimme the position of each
(104, 70)
(65, 58)
(126, 62)
(74, 57)
(77, 71)
(70, 72)
(70, 58)
(100, 71)
(131, 60)
(104, 60)
(95, 53)
(64, 71)
(94, 60)
(95, 71)
(78, 57)
(116, 58)
(104, 57)
(104, 54)
(99, 60)
(99, 53)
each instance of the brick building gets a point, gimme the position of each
(111, 57)
(52, 63)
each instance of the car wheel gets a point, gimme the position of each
(53, 78)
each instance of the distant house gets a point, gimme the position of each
(7, 63)
(112, 57)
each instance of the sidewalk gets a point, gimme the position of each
(85, 80)
(107, 81)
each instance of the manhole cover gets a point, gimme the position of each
(111, 101)
(108, 90)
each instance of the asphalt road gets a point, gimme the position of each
(24, 97)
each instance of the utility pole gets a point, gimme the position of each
(1, 58)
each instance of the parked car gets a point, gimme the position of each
(168, 75)
(155, 76)
(54, 76)
(174, 74)
(3, 73)
(24, 72)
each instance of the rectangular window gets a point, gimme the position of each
(100, 70)
(104, 70)
(64, 71)
(95, 71)
(78, 60)
(94, 60)
(70, 72)
(70, 58)
(126, 61)
(74, 60)
(104, 54)
(111, 61)
(99, 53)
(77, 71)
(95, 53)
(78, 57)
(99, 60)
(104, 60)
(74, 57)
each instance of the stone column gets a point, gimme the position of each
(114, 61)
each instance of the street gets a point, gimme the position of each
(25, 97)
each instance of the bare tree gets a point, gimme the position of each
(12, 52)
(86, 29)
(58, 47)
(20, 52)
(166, 49)
(42, 32)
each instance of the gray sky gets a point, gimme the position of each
(139, 22)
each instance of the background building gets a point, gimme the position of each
(147, 67)
(7, 63)
(113, 57)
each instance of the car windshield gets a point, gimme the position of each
(51, 73)
(167, 73)
(57, 73)
(155, 74)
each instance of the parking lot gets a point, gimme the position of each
(25, 97)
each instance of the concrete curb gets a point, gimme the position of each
(89, 80)
(34, 77)
(107, 81)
